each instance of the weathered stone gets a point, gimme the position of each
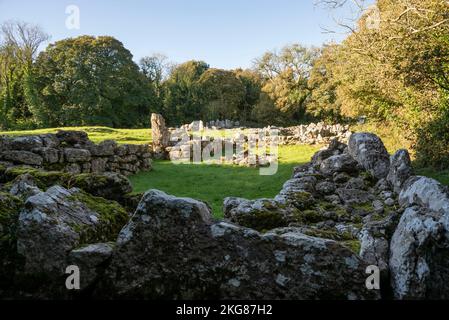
(26, 143)
(103, 149)
(22, 157)
(49, 155)
(425, 192)
(76, 155)
(98, 165)
(201, 259)
(56, 221)
(339, 163)
(354, 196)
(400, 169)
(24, 186)
(260, 214)
(325, 187)
(91, 261)
(160, 134)
(419, 256)
(73, 138)
(370, 152)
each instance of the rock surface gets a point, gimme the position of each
(206, 260)
(370, 152)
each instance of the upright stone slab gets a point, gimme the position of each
(160, 133)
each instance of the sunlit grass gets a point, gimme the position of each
(97, 134)
(213, 183)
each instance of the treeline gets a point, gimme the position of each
(94, 81)
(393, 68)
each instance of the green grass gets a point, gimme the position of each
(97, 134)
(213, 183)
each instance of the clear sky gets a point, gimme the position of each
(225, 33)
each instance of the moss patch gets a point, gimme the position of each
(112, 218)
(354, 245)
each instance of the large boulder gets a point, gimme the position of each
(425, 192)
(172, 248)
(370, 152)
(57, 221)
(419, 259)
(400, 169)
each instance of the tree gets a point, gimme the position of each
(222, 94)
(181, 101)
(286, 74)
(156, 69)
(90, 81)
(19, 42)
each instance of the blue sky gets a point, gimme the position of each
(225, 34)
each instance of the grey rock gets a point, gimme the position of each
(425, 192)
(370, 152)
(24, 186)
(202, 259)
(260, 214)
(76, 155)
(354, 196)
(91, 261)
(337, 164)
(400, 169)
(419, 256)
(25, 143)
(325, 187)
(22, 157)
(49, 155)
(52, 224)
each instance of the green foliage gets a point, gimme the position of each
(90, 81)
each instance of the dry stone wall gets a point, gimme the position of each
(72, 151)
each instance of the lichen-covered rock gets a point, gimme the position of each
(400, 169)
(419, 259)
(260, 214)
(425, 192)
(57, 221)
(76, 155)
(171, 248)
(109, 185)
(91, 261)
(49, 155)
(337, 164)
(370, 152)
(24, 186)
(22, 157)
(297, 192)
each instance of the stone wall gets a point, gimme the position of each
(72, 151)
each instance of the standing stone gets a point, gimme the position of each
(160, 133)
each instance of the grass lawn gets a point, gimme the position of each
(213, 183)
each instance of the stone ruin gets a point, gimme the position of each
(351, 207)
(73, 152)
(196, 142)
